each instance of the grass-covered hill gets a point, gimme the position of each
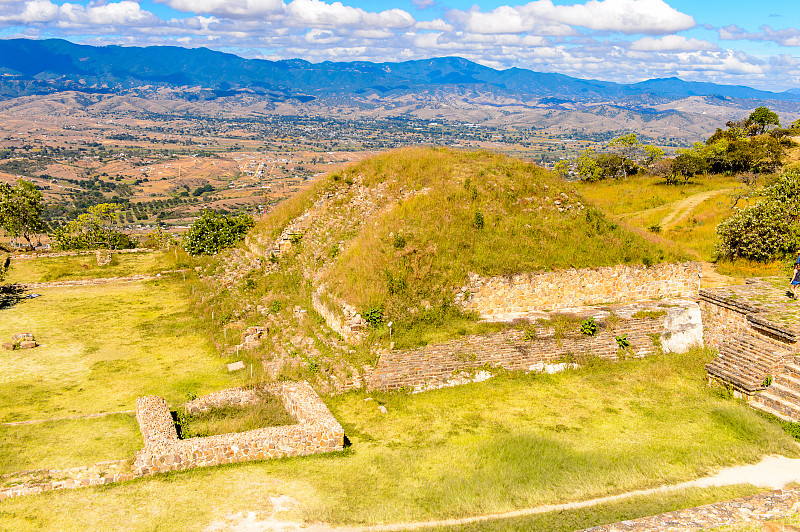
(400, 232)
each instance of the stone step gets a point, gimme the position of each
(793, 370)
(788, 380)
(776, 406)
(792, 396)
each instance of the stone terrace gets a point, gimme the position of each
(756, 327)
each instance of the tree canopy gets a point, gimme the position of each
(94, 229)
(212, 232)
(21, 209)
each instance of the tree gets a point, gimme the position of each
(587, 167)
(93, 230)
(212, 232)
(21, 209)
(628, 145)
(762, 118)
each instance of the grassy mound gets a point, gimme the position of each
(461, 212)
(395, 236)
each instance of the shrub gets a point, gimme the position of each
(589, 327)
(212, 232)
(768, 230)
(373, 315)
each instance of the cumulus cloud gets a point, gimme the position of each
(235, 8)
(654, 17)
(671, 43)
(436, 25)
(122, 13)
(784, 37)
(319, 13)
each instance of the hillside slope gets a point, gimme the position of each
(393, 238)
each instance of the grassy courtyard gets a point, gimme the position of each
(513, 442)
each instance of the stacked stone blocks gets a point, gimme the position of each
(316, 431)
(522, 293)
(461, 361)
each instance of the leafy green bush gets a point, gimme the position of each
(212, 232)
(374, 316)
(769, 229)
(589, 327)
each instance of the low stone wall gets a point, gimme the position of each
(317, 431)
(524, 293)
(753, 509)
(349, 325)
(229, 397)
(100, 280)
(32, 482)
(26, 256)
(725, 317)
(474, 358)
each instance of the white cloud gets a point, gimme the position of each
(436, 25)
(623, 16)
(784, 37)
(319, 13)
(235, 8)
(122, 13)
(671, 43)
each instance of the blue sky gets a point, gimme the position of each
(755, 43)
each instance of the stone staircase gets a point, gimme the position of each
(744, 361)
(782, 397)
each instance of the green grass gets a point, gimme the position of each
(85, 267)
(633, 508)
(513, 442)
(68, 443)
(103, 346)
(268, 412)
(424, 246)
(646, 193)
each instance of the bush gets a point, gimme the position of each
(213, 232)
(768, 230)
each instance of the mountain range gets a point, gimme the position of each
(449, 88)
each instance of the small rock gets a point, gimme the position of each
(27, 344)
(8, 345)
(235, 366)
(382, 409)
(368, 399)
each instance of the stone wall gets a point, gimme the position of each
(100, 280)
(316, 431)
(25, 256)
(501, 297)
(349, 324)
(477, 357)
(724, 317)
(32, 482)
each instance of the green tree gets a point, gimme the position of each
(212, 232)
(762, 118)
(587, 167)
(93, 230)
(21, 209)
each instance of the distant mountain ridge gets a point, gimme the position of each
(30, 67)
